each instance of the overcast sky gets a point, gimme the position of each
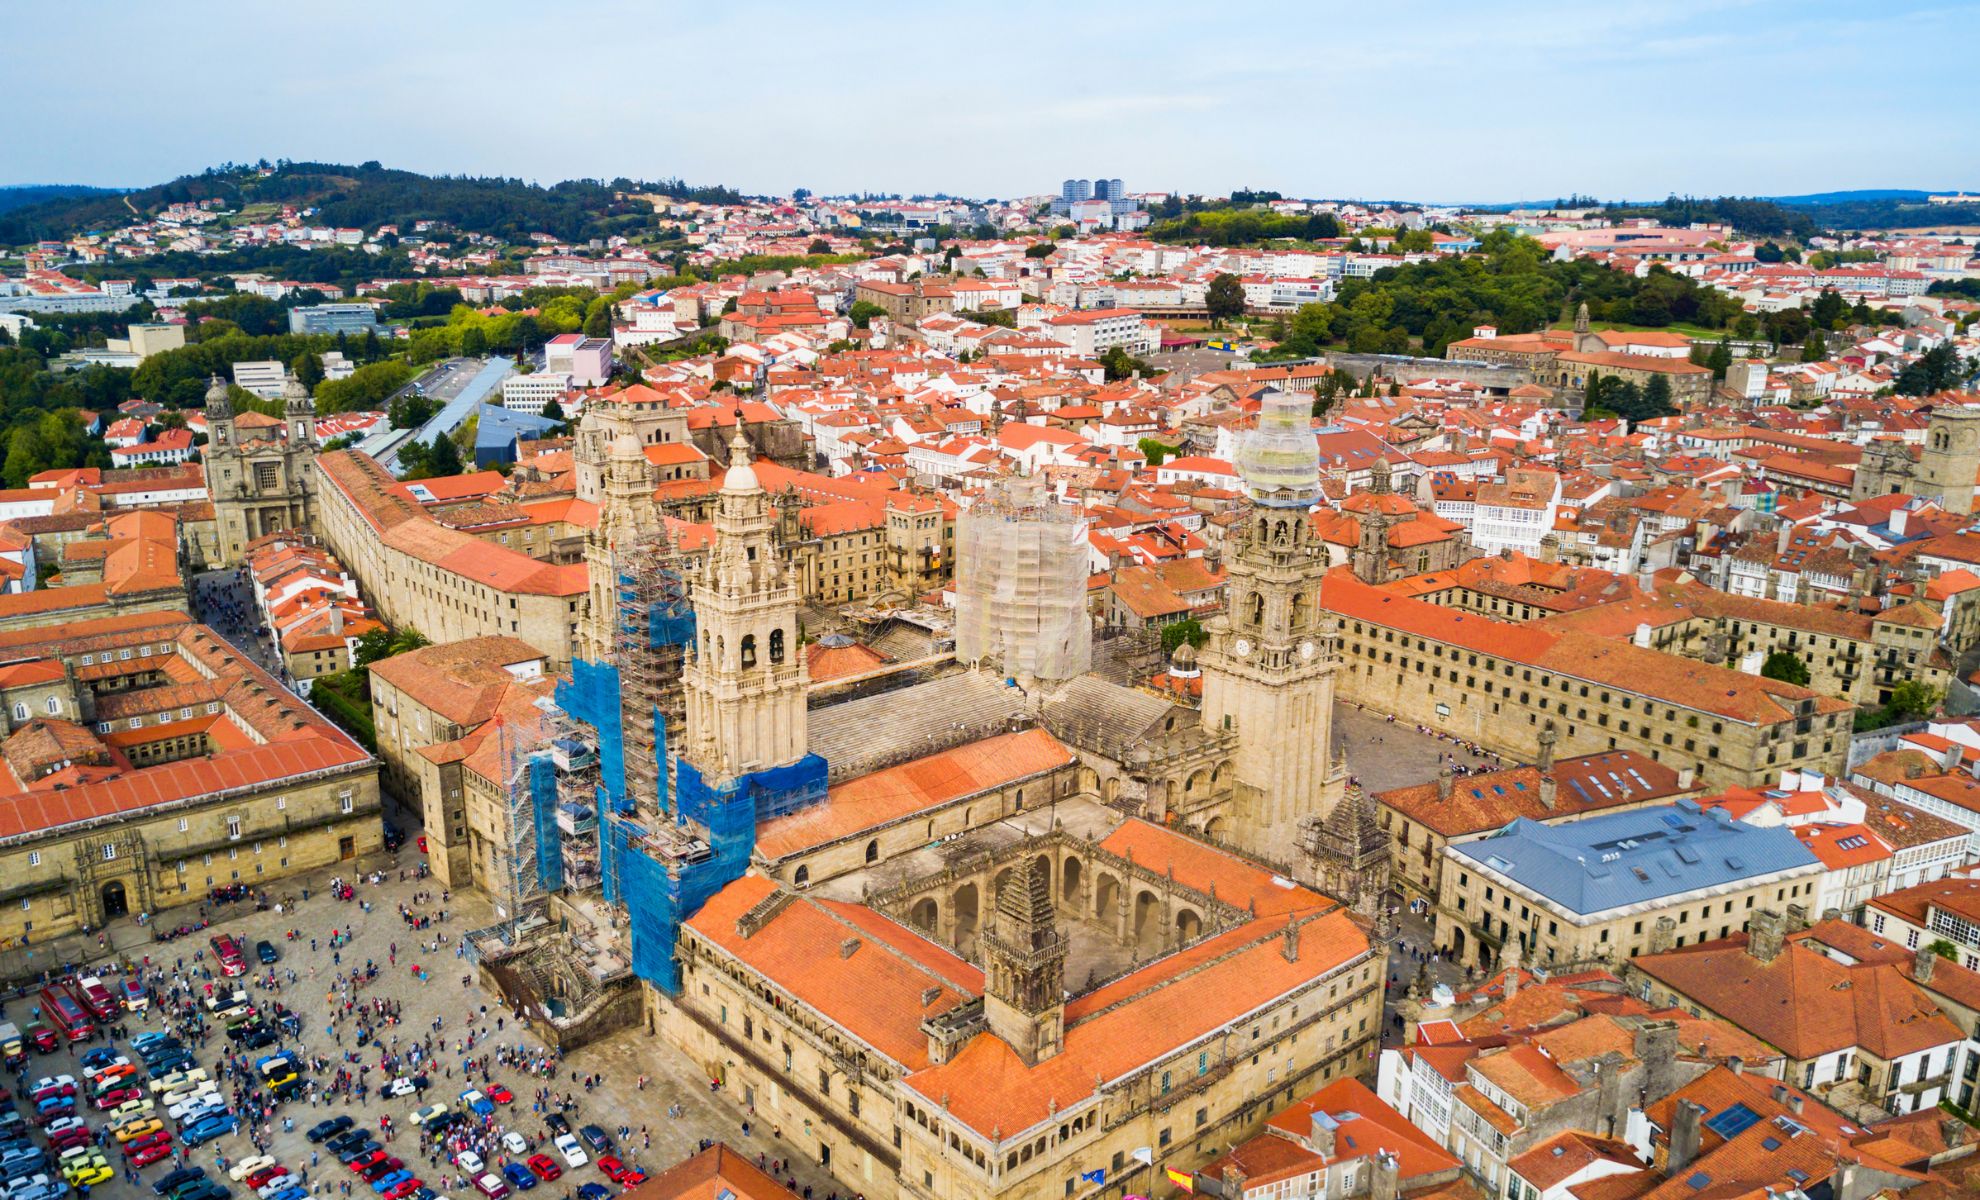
(1516, 99)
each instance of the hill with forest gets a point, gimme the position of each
(25, 194)
(367, 196)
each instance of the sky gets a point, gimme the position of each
(1433, 101)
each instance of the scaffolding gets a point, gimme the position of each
(653, 626)
(1021, 571)
(550, 785)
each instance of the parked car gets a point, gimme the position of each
(518, 1176)
(469, 1161)
(324, 1130)
(207, 1128)
(544, 1167)
(596, 1138)
(266, 952)
(490, 1186)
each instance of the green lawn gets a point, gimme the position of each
(1690, 331)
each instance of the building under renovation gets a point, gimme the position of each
(1021, 586)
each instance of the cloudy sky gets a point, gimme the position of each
(1517, 99)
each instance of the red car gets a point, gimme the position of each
(361, 1165)
(157, 1137)
(151, 1154)
(544, 1168)
(257, 1178)
(403, 1190)
(68, 1138)
(116, 1096)
(500, 1094)
(615, 1170)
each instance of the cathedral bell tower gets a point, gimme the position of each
(746, 680)
(1268, 668)
(1024, 967)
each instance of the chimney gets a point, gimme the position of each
(1797, 918)
(1735, 1064)
(1795, 1101)
(1922, 963)
(1954, 1131)
(1663, 935)
(1444, 781)
(1684, 1136)
(1643, 634)
(1687, 776)
(1291, 947)
(1387, 1176)
(1656, 1047)
(1781, 538)
(1843, 1185)
(1547, 792)
(1764, 935)
(1949, 760)
(1321, 1139)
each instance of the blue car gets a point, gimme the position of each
(208, 1128)
(474, 1099)
(519, 1176)
(593, 1191)
(388, 1182)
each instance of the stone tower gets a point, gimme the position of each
(1951, 457)
(1351, 853)
(1268, 668)
(261, 478)
(1024, 967)
(626, 516)
(746, 681)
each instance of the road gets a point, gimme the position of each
(459, 385)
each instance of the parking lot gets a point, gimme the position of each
(379, 998)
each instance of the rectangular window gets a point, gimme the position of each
(233, 827)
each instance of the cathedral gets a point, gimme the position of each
(260, 472)
(981, 935)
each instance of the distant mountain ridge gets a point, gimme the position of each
(367, 196)
(21, 195)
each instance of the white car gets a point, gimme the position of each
(248, 1166)
(177, 1080)
(275, 1185)
(52, 1081)
(400, 1087)
(94, 1073)
(513, 1142)
(195, 1108)
(190, 1091)
(469, 1161)
(572, 1149)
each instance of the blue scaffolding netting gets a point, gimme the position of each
(549, 838)
(591, 695)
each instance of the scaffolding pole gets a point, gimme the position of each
(653, 625)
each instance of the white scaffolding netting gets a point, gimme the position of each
(1021, 570)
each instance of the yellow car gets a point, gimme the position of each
(91, 1176)
(275, 1081)
(132, 1108)
(137, 1129)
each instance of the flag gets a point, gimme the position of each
(1099, 1176)
(1144, 1154)
(1182, 1179)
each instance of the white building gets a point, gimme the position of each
(529, 393)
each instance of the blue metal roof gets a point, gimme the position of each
(1631, 857)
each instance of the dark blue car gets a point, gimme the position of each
(519, 1176)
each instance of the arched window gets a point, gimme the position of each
(54, 705)
(802, 877)
(20, 711)
(748, 650)
(776, 646)
(722, 651)
(1256, 603)
(873, 851)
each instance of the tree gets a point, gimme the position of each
(1119, 364)
(1156, 452)
(1657, 399)
(1224, 298)
(1933, 371)
(308, 367)
(1720, 359)
(1039, 250)
(1189, 629)
(1816, 348)
(819, 246)
(1944, 949)
(474, 341)
(863, 312)
(1913, 700)
(384, 643)
(598, 319)
(552, 411)
(1786, 667)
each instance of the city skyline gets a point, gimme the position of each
(1618, 103)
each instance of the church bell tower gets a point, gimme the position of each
(1268, 669)
(1024, 967)
(746, 681)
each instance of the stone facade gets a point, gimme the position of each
(260, 477)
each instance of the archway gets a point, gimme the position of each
(1147, 918)
(925, 914)
(1069, 881)
(965, 907)
(997, 884)
(1188, 925)
(1044, 863)
(1106, 898)
(1214, 828)
(115, 902)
